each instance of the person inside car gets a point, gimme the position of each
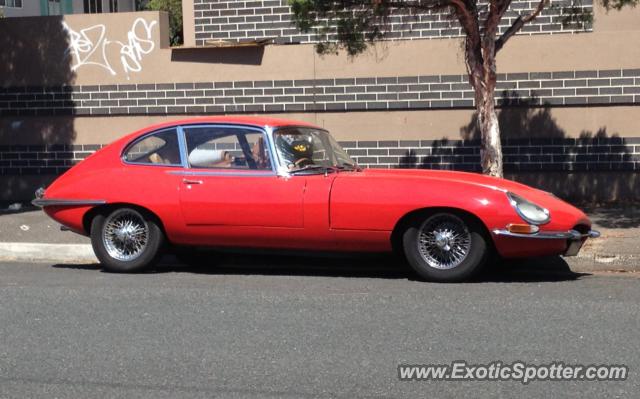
(297, 153)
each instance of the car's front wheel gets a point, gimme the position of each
(445, 247)
(126, 240)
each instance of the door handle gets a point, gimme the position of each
(189, 181)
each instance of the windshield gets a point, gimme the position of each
(309, 149)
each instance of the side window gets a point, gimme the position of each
(298, 148)
(215, 147)
(157, 149)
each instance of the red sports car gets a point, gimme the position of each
(270, 183)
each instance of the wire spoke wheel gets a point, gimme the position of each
(444, 241)
(125, 235)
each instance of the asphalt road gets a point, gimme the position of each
(265, 327)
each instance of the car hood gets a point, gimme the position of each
(475, 179)
(440, 178)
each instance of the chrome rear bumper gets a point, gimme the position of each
(575, 238)
(42, 202)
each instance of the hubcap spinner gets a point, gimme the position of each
(444, 241)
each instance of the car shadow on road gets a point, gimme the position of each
(549, 269)
(365, 266)
(543, 269)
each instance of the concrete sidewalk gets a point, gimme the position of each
(27, 234)
(618, 249)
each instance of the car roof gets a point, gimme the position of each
(260, 121)
(242, 120)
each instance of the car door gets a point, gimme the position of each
(230, 180)
(148, 178)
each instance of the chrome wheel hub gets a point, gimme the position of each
(444, 241)
(125, 235)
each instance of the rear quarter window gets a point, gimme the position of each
(159, 148)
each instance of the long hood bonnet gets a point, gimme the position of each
(475, 179)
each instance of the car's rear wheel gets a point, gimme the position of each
(126, 240)
(445, 247)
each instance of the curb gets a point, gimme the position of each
(37, 252)
(83, 253)
(598, 262)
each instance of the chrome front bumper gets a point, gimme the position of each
(550, 235)
(575, 238)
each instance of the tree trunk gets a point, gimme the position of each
(481, 66)
(490, 146)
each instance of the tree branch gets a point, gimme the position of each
(497, 8)
(465, 12)
(518, 24)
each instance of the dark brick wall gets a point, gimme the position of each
(42, 159)
(234, 20)
(560, 88)
(520, 155)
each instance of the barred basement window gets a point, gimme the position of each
(92, 6)
(11, 3)
(54, 7)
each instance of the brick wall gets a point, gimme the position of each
(234, 20)
(561, 88)
(42, 159)
(520, 155)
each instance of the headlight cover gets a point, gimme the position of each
(528, 211)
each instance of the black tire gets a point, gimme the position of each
(473, 243)
(143, 258)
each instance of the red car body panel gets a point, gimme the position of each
(236, 200)
(345, 211)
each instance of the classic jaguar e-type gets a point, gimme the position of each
(253, 182)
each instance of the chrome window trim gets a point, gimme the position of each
(233, 173)
(155, 165)
(278, 169)
(42, 202)
(144, 136)
(262, 130)
(182, 147)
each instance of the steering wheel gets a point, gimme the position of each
(302, 162)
